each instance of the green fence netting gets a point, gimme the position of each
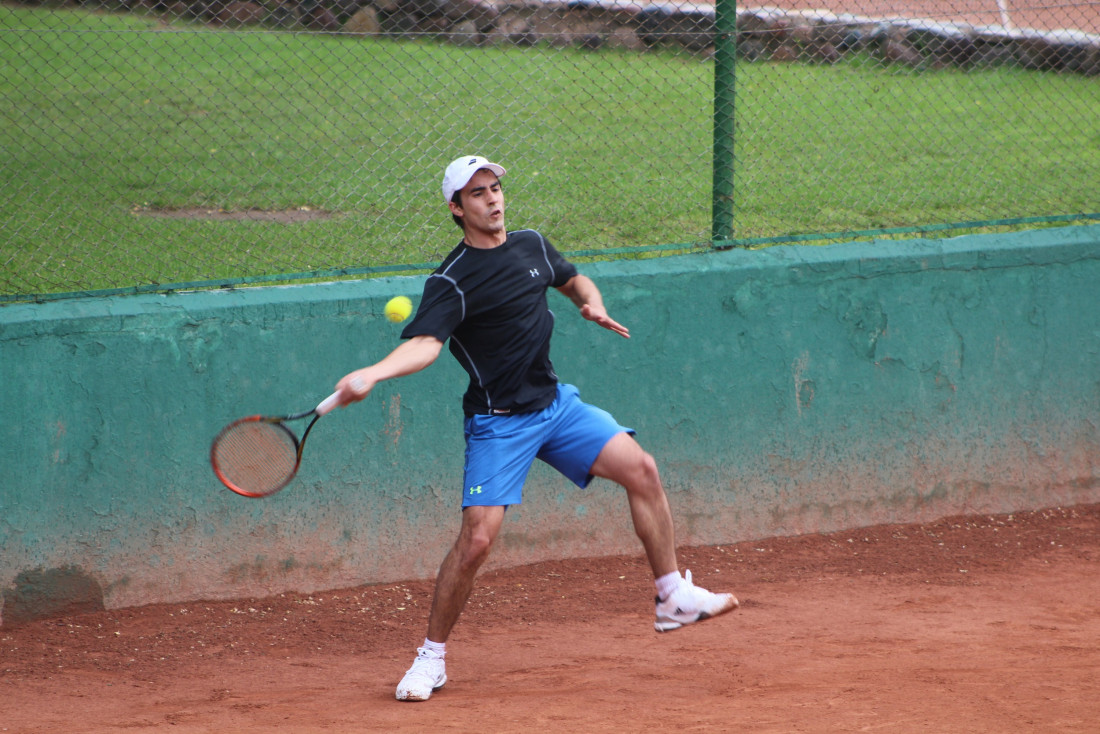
(151, 146)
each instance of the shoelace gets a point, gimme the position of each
(687, 588)
(421, 663)
(696, 594)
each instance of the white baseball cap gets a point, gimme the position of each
(461, 170)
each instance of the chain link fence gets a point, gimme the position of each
(154, 145)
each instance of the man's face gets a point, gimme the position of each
(482, 209)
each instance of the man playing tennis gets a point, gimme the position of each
(488, 298)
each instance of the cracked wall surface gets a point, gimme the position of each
(782, 391)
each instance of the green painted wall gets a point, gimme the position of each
(783, 391)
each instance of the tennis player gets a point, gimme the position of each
(488, 299)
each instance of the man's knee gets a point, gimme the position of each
(474, 548)
(644, 478)
(624, 461)
(647, 466)
(479, 531)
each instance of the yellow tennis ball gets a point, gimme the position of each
(398, 309)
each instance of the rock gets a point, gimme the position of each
(363, 22)
(239, 13)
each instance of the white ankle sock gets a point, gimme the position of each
(437, 649)
(667, 584)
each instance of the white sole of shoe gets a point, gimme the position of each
(409, 697)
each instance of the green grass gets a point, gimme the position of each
(865, 149)
(108, 117)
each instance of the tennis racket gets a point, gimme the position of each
(259, 455)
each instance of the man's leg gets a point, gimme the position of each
(679, 601)
(453, 584)
(624, 462)
(455, 580)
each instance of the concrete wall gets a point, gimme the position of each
(783, 391)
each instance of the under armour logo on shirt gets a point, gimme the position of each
(475, 490)
(534, 272)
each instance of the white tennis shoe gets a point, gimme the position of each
(426, 676)
(690, 603)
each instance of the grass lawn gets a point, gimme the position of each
(299, 153)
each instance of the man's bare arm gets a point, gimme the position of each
(583, 292)
(410, 356)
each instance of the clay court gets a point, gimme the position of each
(1008, 13)
(977, 623)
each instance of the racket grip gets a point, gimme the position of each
(328, 404)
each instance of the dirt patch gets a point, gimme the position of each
(281, 216)
(984, 623)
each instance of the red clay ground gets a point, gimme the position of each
(1083, 16)
(975, 624)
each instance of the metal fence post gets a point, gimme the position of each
(725, 42)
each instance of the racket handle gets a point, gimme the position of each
(332, 401)
(328, 404)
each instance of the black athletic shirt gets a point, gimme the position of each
(492, 306)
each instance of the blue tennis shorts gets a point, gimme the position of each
(500, 449)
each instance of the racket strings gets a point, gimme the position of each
(256, 457)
